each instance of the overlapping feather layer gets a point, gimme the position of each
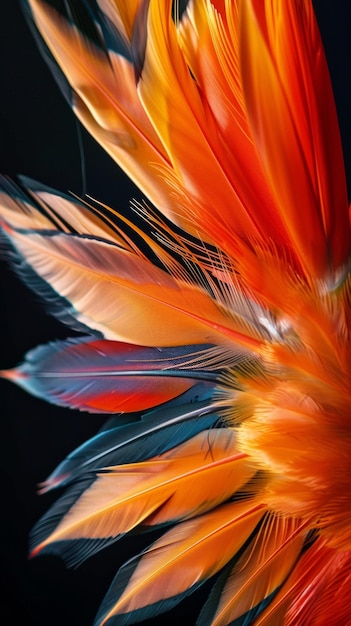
(223, 328)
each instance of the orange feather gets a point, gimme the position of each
(189, 480)
(193, 550)
(224, 117)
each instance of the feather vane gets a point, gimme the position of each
(221, 326)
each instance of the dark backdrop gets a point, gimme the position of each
(39, 138)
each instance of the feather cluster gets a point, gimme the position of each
(222, 326)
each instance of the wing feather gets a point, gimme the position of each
(258, 574)
(106, 101)
(178, 563)
(190, 479)
(102, 376)
(126, 297)
(160, 430)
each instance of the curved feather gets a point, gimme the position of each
(160, 429)
(281, 54)
(19, 211)
(179, 115)
(106, 376)
(192, 478)
(316, 592)
(257, 575)
(111, 289)
(106, 102)
(39, 207)
(34, 206)
(208, 39)
(175, 565)
(56, 304)
(261, 502)
(164, 428)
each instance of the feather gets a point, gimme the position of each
(160, 429)
(177, 563)
(208, 41)
(120, 124)
(107, 376)
(224, 317)
(257, 575)
(180, 118)
(17, 209)
(326, 598)
(34, 206)
(281, 54)
(109, 287)
(56, 304)
(196, 476)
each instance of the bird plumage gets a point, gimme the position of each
(224, 326)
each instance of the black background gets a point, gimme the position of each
(39, 138)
